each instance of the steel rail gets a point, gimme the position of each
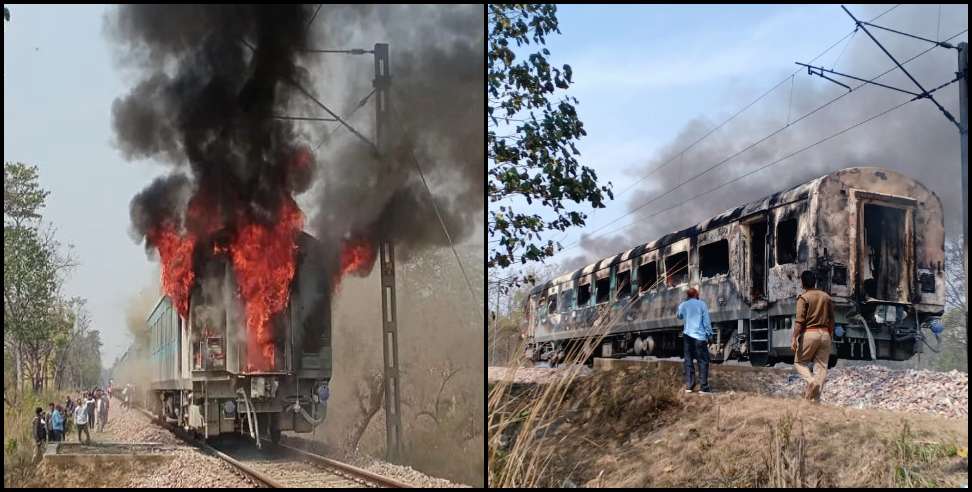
(261, 478)
(346, 468)
(250, 473)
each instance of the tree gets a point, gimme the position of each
(77, 353)
(954, 274)
(531, 139)
(507, 312)
(33, 266)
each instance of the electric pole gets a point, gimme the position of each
(961, 76)
(963, 71)
(389, 311)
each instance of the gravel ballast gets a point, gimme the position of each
(868, 386)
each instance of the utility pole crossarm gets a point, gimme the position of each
(924, 93)
(943, 44)
(810, 69)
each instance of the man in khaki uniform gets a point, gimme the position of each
(813, 331)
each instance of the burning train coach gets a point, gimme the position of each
(204, 372)
(874, 237)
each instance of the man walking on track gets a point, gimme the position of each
(813, 331)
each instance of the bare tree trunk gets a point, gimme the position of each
(20, 371)
(369, 404)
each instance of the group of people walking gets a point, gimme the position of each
(89, 411)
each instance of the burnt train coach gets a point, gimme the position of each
(874, 237)
(194, 372)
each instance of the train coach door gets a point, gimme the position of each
(885, 246)
(754, 238)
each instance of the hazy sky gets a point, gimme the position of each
(60, 80)
(652, 78)
(58, 86)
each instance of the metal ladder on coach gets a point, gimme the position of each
(759, 340)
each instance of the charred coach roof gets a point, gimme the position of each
(796, 193)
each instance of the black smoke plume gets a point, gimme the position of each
(916, 140)
(210, 77)
(437, 100)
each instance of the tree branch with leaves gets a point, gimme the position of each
(531, 151)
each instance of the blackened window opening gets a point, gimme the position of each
(584, 295)
(624, 285)
(927, 281)
(552, 305)
(566, 300)
(786, 241)
(714, 259)
(757, 261)
(647, 275)
(840, 275)
(676, 267)
(603, 290)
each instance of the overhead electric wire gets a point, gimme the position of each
(307, 27)
(737, 113)
(761, 140)
(445, 230)
(808, 147)
(350, 128)
(348, 116)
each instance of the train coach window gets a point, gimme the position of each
(676, 266)
(786, 241)
(603, 290)
(714, 258)
(927, 281)
(583, 296)
(552, 304)
(624, 285)
(840, 275)
(647, 276)
(566, 300)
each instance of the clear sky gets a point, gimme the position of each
(58, 86)
(645, 73)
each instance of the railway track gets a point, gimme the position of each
(282, 466)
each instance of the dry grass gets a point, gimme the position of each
(523, 463)
(633, 429)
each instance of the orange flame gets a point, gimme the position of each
(175, 251)
(264, 259)
(357, 257)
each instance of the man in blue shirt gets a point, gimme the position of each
(695, 337)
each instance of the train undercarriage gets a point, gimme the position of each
(878, 331)
(258, 406)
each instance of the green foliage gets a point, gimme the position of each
(22, 195)
(38, 322)
(538, 159)
(911, 459)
